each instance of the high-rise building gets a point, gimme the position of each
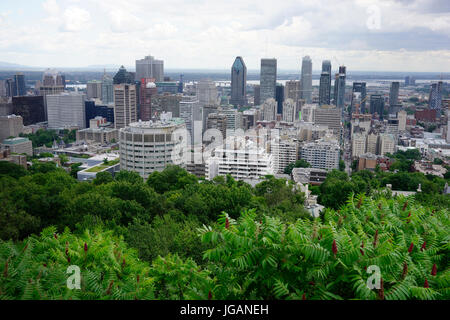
(290, 113)
(386, 144)
(30, 108)
(10, 126)
(94, 89)
(325, 88)
(191, 113)
(52, 83)
(123, 76)
(234, 119)
(257, 95)
(359, 87)
(292, 90)
(149, 146)
(125, 105)
(306, 79)
(359, 141)
(107, 89)
(372, 143)
(339, 87)
(321, 154)
(393, 93)
(149, 68)
(279, 97)
(247, 160)
(167, 103)
(269, 110)
(284, 152)
(147, 91)
(66, 110)
(207, 93)
(19, 85)
(435, 100)
(377, 105)
(93, 111)
(268, 79)
(401, 116)
(238, 83)
(329, 116)
(217, 121)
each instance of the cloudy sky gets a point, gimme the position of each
(365, 35)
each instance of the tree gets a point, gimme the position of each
(103, 177)
(12, 169)
(297, 164)
(341, 165)
(129, 176)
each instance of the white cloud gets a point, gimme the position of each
(76, 19)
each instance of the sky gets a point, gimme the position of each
(364, 35)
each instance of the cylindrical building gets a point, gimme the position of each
(151, 146)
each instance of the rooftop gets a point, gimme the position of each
(15, 140)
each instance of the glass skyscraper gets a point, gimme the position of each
(238, 82)
(268, 79)
(307, 79)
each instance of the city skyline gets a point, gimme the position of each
(367, 35)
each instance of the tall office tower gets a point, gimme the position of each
(306, 79)
(359, 87)
(123, 76)
(279, 97)
(147, 91)
(234, 119)
(372, 143)
(292, 90)
(359, 141)
(269, 110)
(167, 103)
(30, 108)
(257, 95)
(217, 121)
(401, 116)
(329, 116)
(125, 105)
(149, 68)
(9, 87)
(393, 93)
(107, 89)
(94, 89)
(207, 93)
(289, 111)
(377, 105)
(66, 110)
(326, 67)
(435, 100)
(206, 111)
(268, 79)
(191, 113)
(157, 140)
(19, 85)
(321, 154)
(3, 88)
(339, 87)
(325, 88)
(238, 83)
(52, 83)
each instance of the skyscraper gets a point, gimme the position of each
(66, 109)
(292, 90)
(238, 82)
(435, 100)
(279, 97)
(289, 111)
(148, 68)
(325, 88)
(207, 93)
(393, 93)
(19, 85)
(306, 79)
(107, 89)
(191, 113)
(339, 87)
(361, 88)
(269, 110)
(123, 76)
(125, 106)
(147, 91)
(94, 89)
(268, 79)
(377, 105)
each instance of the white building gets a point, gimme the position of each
(285, 152)
(65, 110)
(401, 115)
(149, 68)
(289, 111)
(207, 93)
(240, 158)
(269, 110)
(149, 146)
(321, 154)
(191, 113)
(386, 144)
(125, 105)
(358, 144)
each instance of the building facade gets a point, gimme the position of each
(125, 105)
(238, 82)
(66, 110)
(149, 68)
(268, 79)
(306, 79)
